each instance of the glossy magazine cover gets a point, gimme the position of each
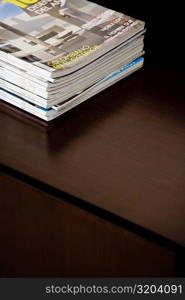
(57, 35)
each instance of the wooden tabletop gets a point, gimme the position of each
(122, 151)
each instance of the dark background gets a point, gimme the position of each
(164, 36)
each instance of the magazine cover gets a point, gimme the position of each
(56, 34)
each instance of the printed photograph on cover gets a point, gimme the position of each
(58, 33)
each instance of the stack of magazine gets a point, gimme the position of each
(55, 54)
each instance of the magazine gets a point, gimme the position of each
(45, 95)
(51, 113)
(54, 40)
(55, 54)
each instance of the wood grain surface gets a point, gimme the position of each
(122, 151)
(43, 236)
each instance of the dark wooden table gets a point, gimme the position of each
(100, 191)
